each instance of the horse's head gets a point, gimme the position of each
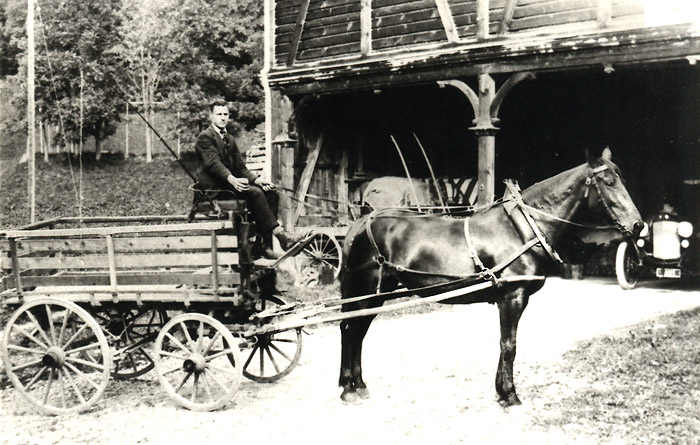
(607, 193)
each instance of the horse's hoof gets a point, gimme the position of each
(351, 397)
(363, 393)
(509, 401)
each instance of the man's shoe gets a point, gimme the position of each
(288, 240)
(263, 248)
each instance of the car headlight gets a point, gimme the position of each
(640, 243)
(645, 231)
(685, 243)
(685, 229)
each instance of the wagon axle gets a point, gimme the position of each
(194, 363)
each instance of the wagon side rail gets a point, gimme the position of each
(105, 262)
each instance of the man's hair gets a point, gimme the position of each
(218, 103)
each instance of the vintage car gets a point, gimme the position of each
(662, 248)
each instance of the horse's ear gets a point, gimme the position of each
(607, 154)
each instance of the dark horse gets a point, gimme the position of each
(516, 236)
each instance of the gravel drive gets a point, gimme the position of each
(431, 377)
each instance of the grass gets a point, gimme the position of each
(642, 387)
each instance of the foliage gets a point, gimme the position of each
(221, 58)
(11, 28)
(642, 386)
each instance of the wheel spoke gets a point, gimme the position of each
(200, 337)
(193, 397)
(86, 363)
(211, 343)
(172, 355)
(82, 375)
(31, 337)
(74, 386)
(190, 342)
(280, 352)
(217, 381)
(145, 354)
(250, 357)
(27, 350)
(47, 390)
(207, 387)
(132, 362)
(63, 388)
(35, 378)
(66, 313)
(262, 361)
(172, 370)
(75, 336)
(217, 355)
(183, 381)
(52, 331)
(83, 348)
(220, 369)
(38, 327)
(285, 340)
(177, 343)
(272, 359)
(26, 365)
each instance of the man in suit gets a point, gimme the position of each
(222, 174)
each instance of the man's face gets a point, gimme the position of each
(219, 116)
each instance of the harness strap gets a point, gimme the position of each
(488, 274)
(531, 221)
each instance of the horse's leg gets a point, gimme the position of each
(353, 332)
(510, 308)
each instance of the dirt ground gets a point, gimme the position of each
(431, 377)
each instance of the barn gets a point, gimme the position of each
(487, 89)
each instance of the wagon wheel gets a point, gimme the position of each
(627, 267)
(273, 355)
(323, 252)
(197, 362)
(44, 350)
(131, 332)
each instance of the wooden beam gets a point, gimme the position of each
(306, 175)
(508, 12)
(447, 20)
(505, 89)
(604, 13)
(482, 19)
(465, 89)
(298, 28)
(365, 27)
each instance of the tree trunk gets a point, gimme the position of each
(98, 141)
(146, 113)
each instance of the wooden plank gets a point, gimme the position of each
(298, 28)
(447, 20)
(344, 27)
(126, 279)
(410, 39)
(577, 16)
(319, 17)
(122, 261)
(128, 244)
(114, 230)
(365, 27)
(305, 179)
(552, 7)
(507, 16)
(407, 19)
(408, 30)
(96, 297)
(112, 263)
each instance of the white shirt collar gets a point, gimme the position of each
(217, 130)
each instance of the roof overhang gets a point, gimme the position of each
(499, 55)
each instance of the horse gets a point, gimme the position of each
(516, 236)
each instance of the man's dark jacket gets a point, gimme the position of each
(217, 158)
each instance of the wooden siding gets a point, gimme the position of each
(331, 28)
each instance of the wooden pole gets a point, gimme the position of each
(126, 136)
(482, 19)
(31, 111)
(178, 134)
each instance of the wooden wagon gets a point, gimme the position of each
(93, 295)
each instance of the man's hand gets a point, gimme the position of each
(240, 184)
(265, 185)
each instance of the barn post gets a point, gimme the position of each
(486, 105)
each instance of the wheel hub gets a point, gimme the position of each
(54, 357)
(194, 363)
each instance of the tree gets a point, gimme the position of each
(221, 57)
(74, 62)
(148, 50)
